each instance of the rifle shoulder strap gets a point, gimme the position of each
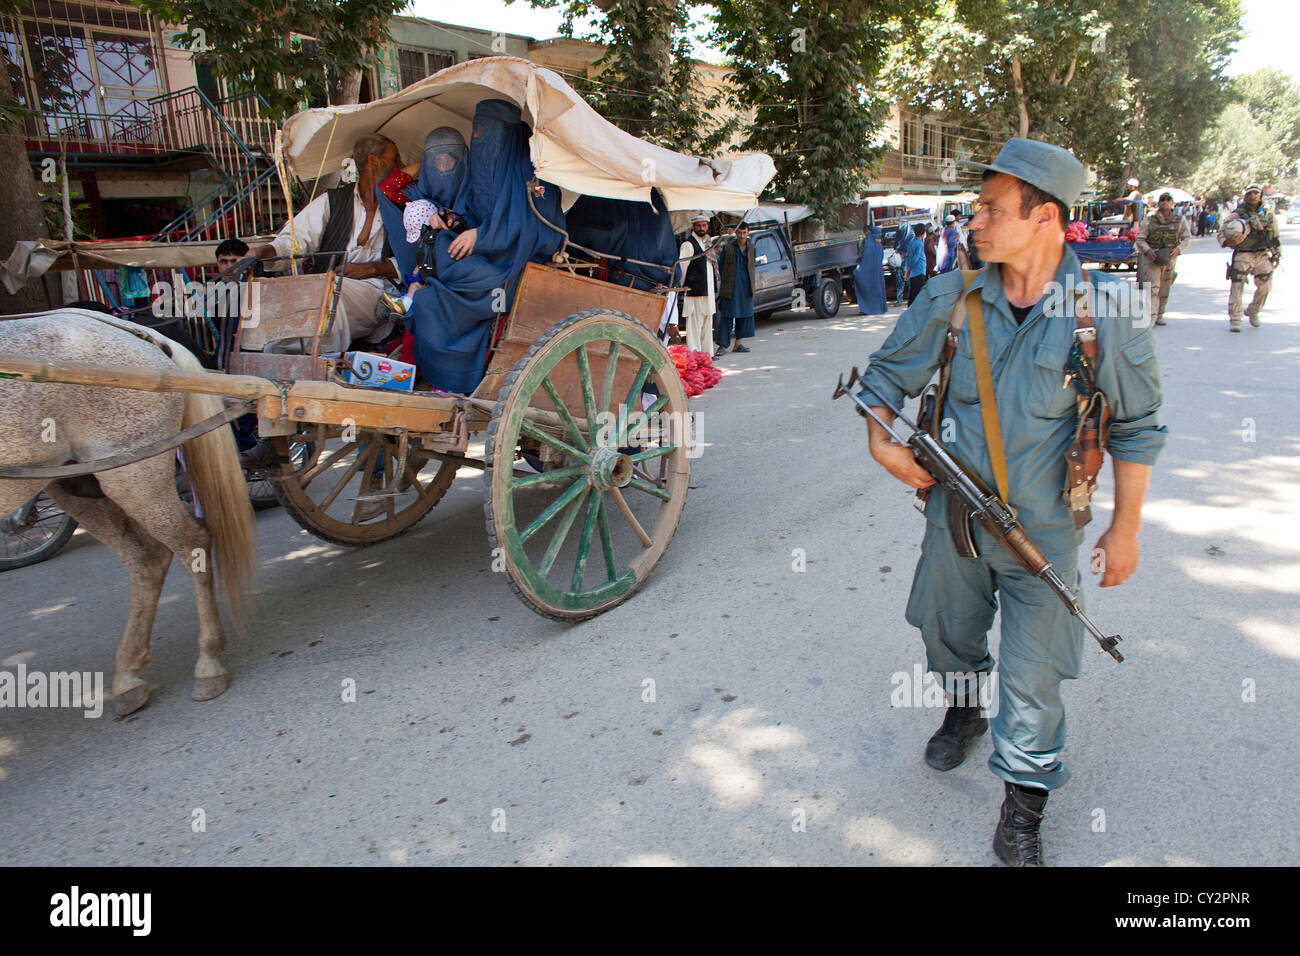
(955, 322)
(984, 383)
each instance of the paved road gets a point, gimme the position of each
(772, 687)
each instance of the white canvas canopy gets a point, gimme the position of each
(571, 145)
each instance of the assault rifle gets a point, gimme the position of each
(974, 500)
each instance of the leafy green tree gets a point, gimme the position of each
(1109, 79)
(647, 83)
(258, 47)
(1256, 139)
(810, 73)
(1238, 151)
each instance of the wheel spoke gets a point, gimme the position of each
(638, 419)
(367, 480)
(327, 463)
(653, 453)
(633, 400)
(631, 518)
(584, 379)
(661, 493)
(563, 409)
(532, 431)
(611, 372)
(562, 530)
(528, 481)
(606, 540)
(552, 510)
(584, 542)
(345, 480)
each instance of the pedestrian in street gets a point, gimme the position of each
(914, 262)
(1256, 251)
(931, 248)
(949, 240)
(1162, 238)
(736, 291)
(699, 279)
(1010, 308)
(869, 276)
(1134, 197)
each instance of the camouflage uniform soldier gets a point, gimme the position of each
(1162, 238)
(1255, 252)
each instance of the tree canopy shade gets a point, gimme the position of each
(647, 83)
(1256, 139)
(259, 47)
(1127, 85)
(810, 71)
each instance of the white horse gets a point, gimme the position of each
(133, 509)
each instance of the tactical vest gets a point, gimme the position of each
(1259, 236)
(697, 272)
(1163, 235)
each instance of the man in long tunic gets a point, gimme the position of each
(736, 291)
(699, 277)
(1029, 327)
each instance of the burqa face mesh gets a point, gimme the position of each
(434, 184)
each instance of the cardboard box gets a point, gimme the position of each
(376, 371)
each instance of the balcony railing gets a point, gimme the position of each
(233, 130)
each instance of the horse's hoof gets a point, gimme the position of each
(206, 688)
(129, 701)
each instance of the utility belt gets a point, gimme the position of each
(1274, 250)
(1086, 452)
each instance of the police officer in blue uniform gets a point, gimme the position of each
(1029, 312)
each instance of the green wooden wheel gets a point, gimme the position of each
(598, 402)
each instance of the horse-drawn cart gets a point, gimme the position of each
(580, 421)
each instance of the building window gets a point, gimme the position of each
(88, 76)
(415, 65)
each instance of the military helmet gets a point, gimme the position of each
(1234, 228)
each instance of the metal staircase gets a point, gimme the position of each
(235, 140)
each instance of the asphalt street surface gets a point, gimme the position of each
(485, 734)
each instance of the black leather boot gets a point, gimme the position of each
(1017, 841)
(947, 748)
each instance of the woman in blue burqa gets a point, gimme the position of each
(439, 177)
(478, 270)
(869, 276)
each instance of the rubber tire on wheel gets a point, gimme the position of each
(51, 545)
(607, 329)
(826, 303)
(306, 511)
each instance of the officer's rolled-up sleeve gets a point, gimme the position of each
(1131, 380)
(901, 367)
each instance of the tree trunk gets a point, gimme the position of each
(23, 218)
(350, 88)
(1021, 106)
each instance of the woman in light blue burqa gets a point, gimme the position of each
(869, 276)
(440, 179)
(452, 316)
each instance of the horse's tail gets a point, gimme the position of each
(212, 462)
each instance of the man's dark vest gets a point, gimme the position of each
(727, 259)
(697, 271)
(338, 230)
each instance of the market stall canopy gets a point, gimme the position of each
(920, 200)
(777, 212)
(31, 259)
(1179, 195)
(571, 145)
